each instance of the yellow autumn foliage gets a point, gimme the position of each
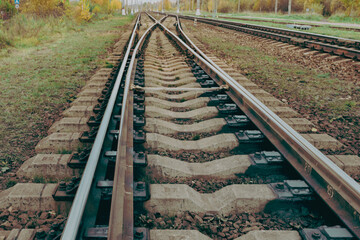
(115, 5)
(82, 11)
(44, 7)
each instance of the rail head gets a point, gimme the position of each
(323, 174)
(77, 209)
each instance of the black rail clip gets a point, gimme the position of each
(139, 98)
(294, 190)
(139, 108)
(95, 121)
(326, 233)
(266, 158)
(89, 137)
(139, 136)
(202, 77)
(141, 192)
(250, 136)
(100, 108)
(218, 99)
(140, 159)
(79, 160)
(139, 82)
(141, 233)
(139, 121)
(66, 191)
(237, 121)
(227, 108)
(208, 84)
(265, 163)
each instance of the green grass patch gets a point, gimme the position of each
(38, 81)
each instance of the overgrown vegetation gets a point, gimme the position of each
(39, 20)
(38, 81)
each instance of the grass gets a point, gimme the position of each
(37, 80)
(28, 31)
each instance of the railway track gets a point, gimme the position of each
(182, 149)
(182, 118)
(347, 48)
(305, 23)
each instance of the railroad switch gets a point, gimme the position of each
(218, 99)
(141, 233)
(66, 191)
(97, 232)
(139, 121)
(294, 190)
(139, 98)
(237, 121)
(140, 159)
(227, 108)
(139, 108)
(326, 233)
(141, 192)
(139, 136)
(250, 136)
(89, 137)
(79, 160)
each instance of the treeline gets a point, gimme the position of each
(323, 7)
(82, 10)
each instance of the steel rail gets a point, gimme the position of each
(331, 183)
(77, 209)
(119, 226)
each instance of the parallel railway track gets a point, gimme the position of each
(347, 48)
(171, 102)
